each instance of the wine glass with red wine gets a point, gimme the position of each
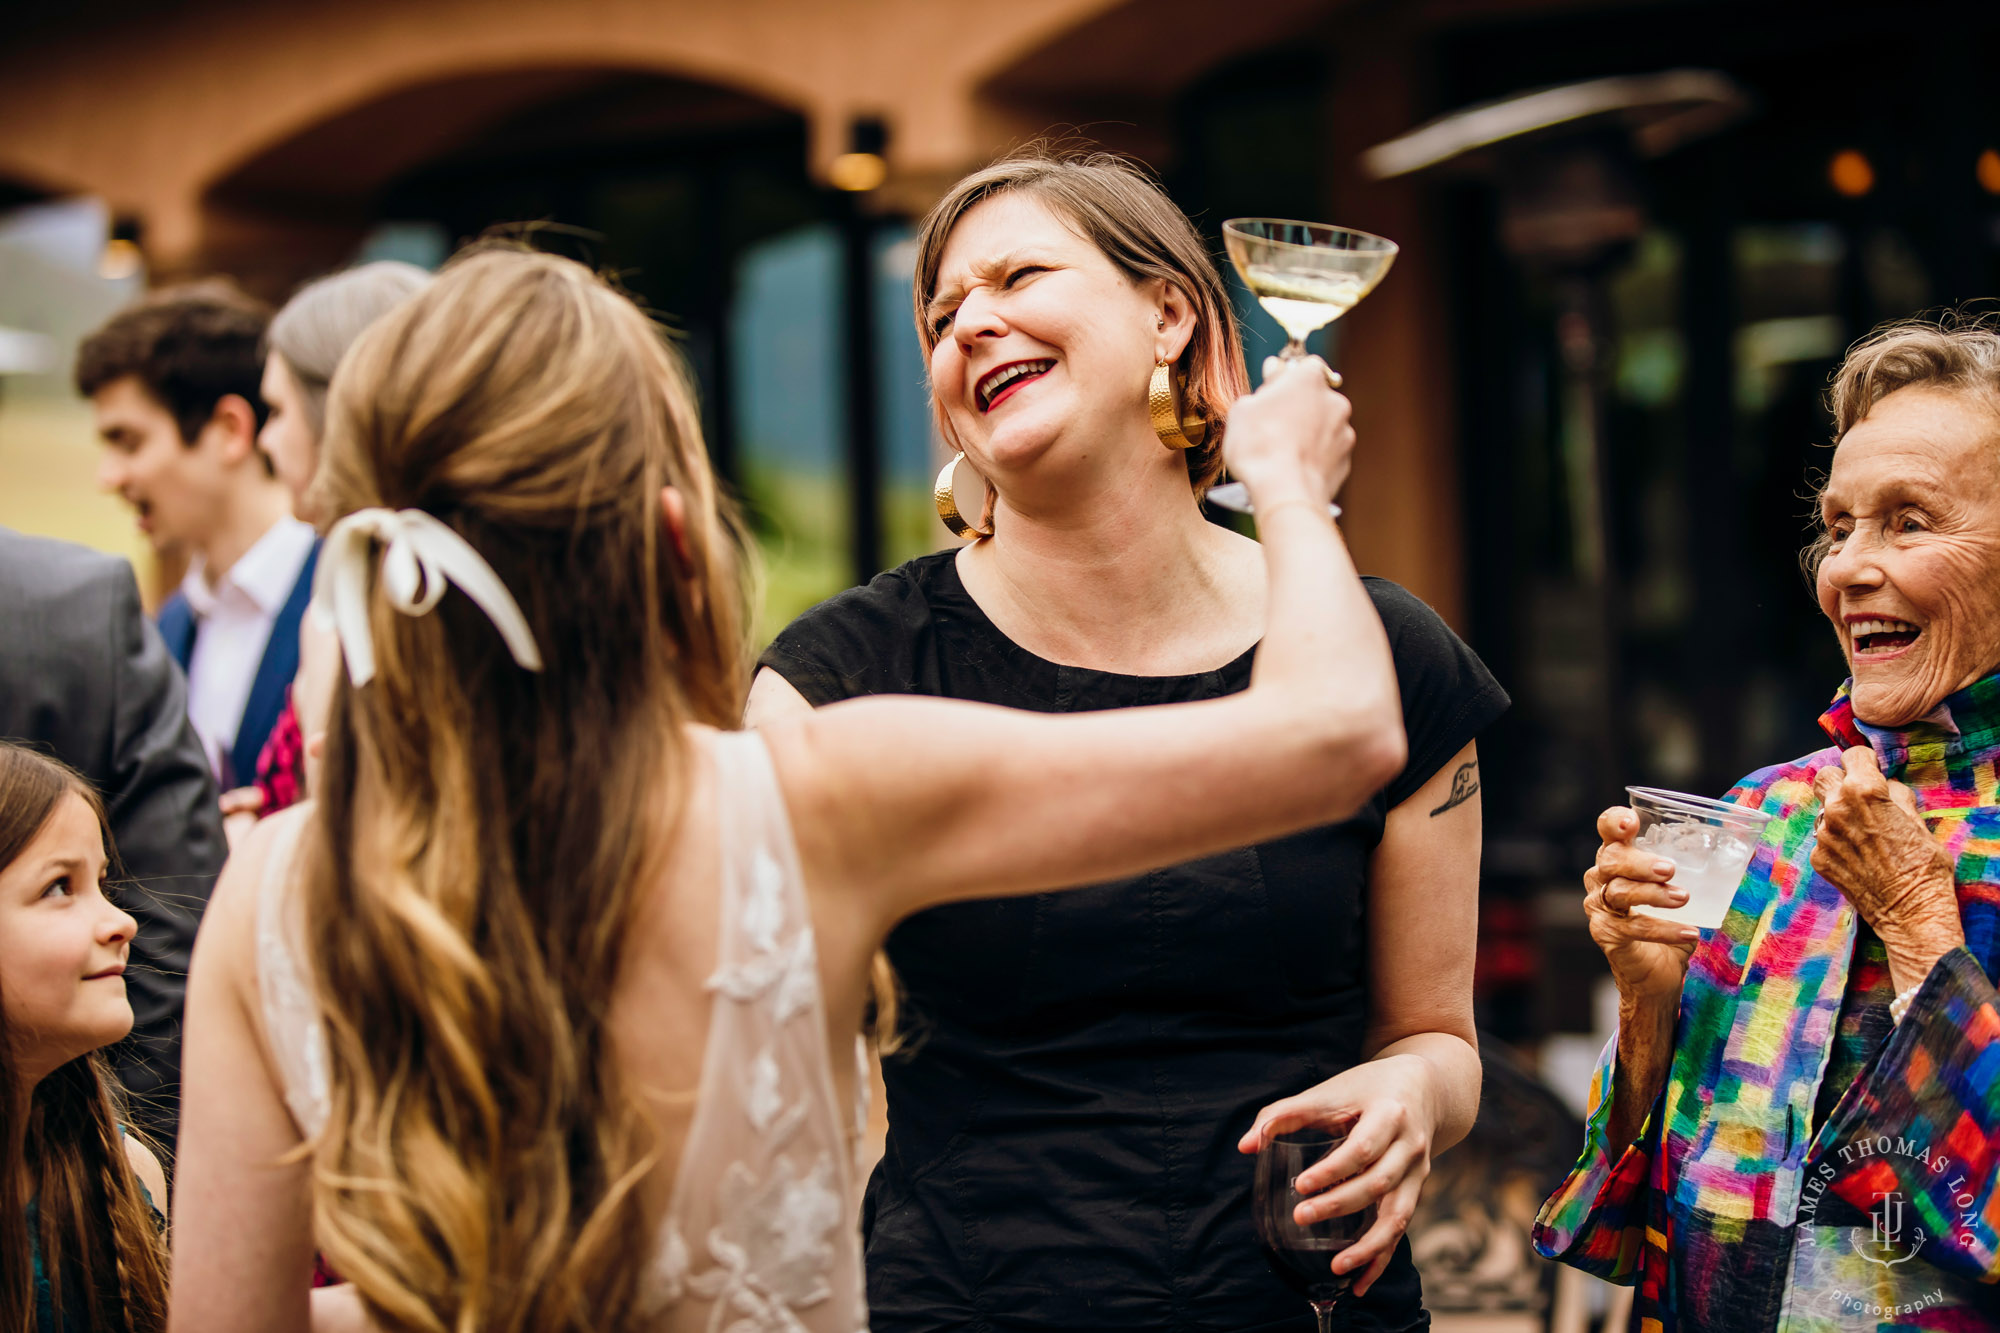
(1303, 1255)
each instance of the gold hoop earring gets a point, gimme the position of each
(1174, 430)
(947, 504)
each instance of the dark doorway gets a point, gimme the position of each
(1762, 264)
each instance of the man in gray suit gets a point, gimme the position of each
(85, 677)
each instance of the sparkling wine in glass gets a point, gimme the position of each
(1307, 275)
(1302, 1256)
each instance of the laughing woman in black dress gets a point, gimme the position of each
(1085, 1071)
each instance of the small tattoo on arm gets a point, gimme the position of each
(1464, 786)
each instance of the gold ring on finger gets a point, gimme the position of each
(1333, 379)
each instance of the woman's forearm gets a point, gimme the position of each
(1645, 1053)
(1914, 948)
(1324, 684)
(1453, 1076)
(1325, 657)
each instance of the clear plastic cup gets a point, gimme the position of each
(1710, 844)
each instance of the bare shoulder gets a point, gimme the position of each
(147, 1167)
(772, 697)
(824, 756)
(226, 946)
(235, 893)
(786, 735)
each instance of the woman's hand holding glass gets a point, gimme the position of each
(1874, 848)
(1292, 439)
(1385, 1107)
(1648, 956)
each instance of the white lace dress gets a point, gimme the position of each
(761, 1235)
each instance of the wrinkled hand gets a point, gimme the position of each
(1292, 437)
(1386, 1107)
(1874, 848)
(239, 812)
(1648, 956)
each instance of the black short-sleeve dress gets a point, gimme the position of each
(1062, 1134)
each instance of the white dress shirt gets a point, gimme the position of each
(233, 619)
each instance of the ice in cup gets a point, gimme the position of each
(1710, 844)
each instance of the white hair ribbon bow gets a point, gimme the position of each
(419, 554)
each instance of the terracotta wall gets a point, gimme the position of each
(1402, 505)
(154, 109)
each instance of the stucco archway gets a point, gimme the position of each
(302, 202)
(162, 104)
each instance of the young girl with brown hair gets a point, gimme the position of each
(543, 1016)
(80, 1228)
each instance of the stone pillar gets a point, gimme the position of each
(1403, 508)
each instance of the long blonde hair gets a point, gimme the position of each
(484, 830)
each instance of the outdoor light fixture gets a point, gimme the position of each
(862, 167)
(1659, 112)
(121, 259)
(1851, 173)
(857, 173)
(1567, 166)
(1566, 159)
(1987, 169)
(1565, 162)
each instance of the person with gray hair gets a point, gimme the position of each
(1797, 1125)
(303, 347)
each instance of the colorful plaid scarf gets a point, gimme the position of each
(1735, 1209)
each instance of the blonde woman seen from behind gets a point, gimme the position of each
(555, 1029)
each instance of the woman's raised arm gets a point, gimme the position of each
(241, 1217)
(903, 802)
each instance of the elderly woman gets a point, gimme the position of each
(1085, 1071)
(1798, 1123)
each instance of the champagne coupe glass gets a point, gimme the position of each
(1307, 275)
(1303, 1255)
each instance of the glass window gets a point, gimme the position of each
(790, 411)
(911, 449)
